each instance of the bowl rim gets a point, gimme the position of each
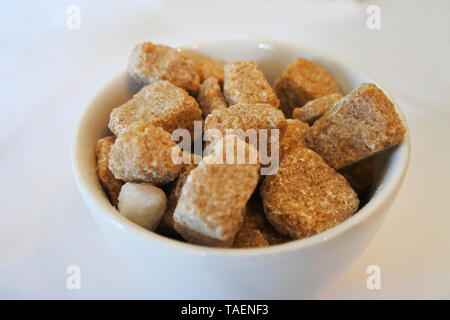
(390, 185)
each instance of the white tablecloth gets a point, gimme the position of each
(49, 74)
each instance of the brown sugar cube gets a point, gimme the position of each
(110, 184)
(302, 81)
(272, 236)
(245, 117)
(306, 196)
(357, 126)
(166, 225)
(254, 219)
(249, 238)
(213, 198)
(144, 154)
(252, 123)
(316, 108)
(359, 175)
(149, 62)
(293, 136)
(207, 68)
(161, 104)
(210, 96)
(244, 82)
(254, 215)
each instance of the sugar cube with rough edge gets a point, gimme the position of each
(144, 154)
(207, 68)
(167, 222)
(359, 125)
(254, 124)
(256, 231)
(245, 117)
(210, 97)
(110, 184)
(272, 236)
(213, 198)
(255, 215)
(244, 82)
(149, 62)
(249, 238)
(161, 104)
(359, 175)
(316, 108)
(142, 203)
(302, 81)
(306, 196)
(293, 136)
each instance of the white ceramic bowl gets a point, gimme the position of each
(173, 269)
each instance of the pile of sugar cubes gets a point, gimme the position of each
(325, 142)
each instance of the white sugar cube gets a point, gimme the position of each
(142, 203)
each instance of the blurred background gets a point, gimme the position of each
(56, 55)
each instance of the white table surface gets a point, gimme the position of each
(49, 73)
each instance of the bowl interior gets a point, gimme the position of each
(272, 57)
